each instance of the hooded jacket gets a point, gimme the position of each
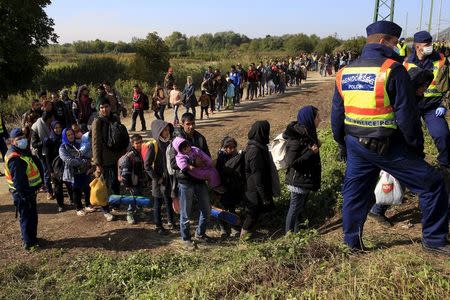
(102, 155)
(257, 165)
(304, 167)
(156, 167)
(184, 160)
(70, 154)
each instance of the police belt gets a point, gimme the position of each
(377, 145)
(374, 123)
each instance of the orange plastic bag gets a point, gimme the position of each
(99, 192)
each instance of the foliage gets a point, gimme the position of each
(327, 45)
(87, 70)
(25, 28)
(151, 60)
(299, 43)
(354, 45)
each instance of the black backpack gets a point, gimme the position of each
(233, 174)
(118, 139)
(58, 167)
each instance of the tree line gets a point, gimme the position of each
(182, 45)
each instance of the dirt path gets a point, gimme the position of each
(67, 234)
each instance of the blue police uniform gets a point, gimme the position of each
(23, 194)
(403, 158)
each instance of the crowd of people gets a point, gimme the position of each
(63, 144)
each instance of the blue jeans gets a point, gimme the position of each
(296, 207)
(237, 95)
(47, 175)
(186, 193)
(175, 112)
(193, 110)
(361, 176)
(219, 101)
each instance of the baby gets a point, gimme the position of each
(196, 163)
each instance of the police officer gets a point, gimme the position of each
(24, 177)
(402, 48)
(432, 107)
(375, 116)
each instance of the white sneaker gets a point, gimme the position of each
(109, 217)
(81, 213)
(89, 209)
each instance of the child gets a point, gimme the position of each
(132, 173)
(78, 133)
(229, 95)
(204, 104)
(175, 100)
(196, 163)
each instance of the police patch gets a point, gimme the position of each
(358, 82)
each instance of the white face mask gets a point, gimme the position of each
(22, 144)
(427, 50)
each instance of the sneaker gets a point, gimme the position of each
(81, 213)
(381, 219)
(89, 209)
(444, 250)
(109, 217)
(161, 231)
(130, 219)
(203, 238)
(189, 245)
(60, 208)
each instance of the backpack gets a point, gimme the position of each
(121, 165)
(118, 139)
(278, 151)
(233, 174)
(145, 103)
(145, 146)
(58, 167)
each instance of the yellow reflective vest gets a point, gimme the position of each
(32, 171)
(366, 101)
(432, 90)
(402, 49)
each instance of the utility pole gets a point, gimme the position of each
(439, 20)
(384, 9)
(421, 11)
(431, 16)
(406, 26)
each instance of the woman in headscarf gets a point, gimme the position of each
(303, 173)
(75, 170)
(259, 190)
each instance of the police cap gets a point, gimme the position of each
(422, 37)
(384, 27)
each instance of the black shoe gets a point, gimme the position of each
(203, 238)
(444, 250)
(161, 231)
(144, 129)
(381, 219)
(132, 129)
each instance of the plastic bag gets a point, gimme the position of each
(389, 191)
(99, 192)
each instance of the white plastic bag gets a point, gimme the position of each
(278, 150)
(389, 191)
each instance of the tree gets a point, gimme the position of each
(297, 43)
(354, 44)
(151, 59)
(24, 28)
(327, 45)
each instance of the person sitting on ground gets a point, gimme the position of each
(132, 174)
(303, 171)
(196, 163)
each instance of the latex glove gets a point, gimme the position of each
(440, 111)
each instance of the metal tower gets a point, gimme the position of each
(384, 10)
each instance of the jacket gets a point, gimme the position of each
(401, 96)
(257, 165)
(41, 133)
(74, 162)
(133, 167)
(304, 167)
(17, 167)
(184, 160)
(62, 114)
(101, 154)
(156, 167)
(52, 146)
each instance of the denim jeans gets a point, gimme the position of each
(110, 176)
(186, 193)
(175, 113)
(237, 95)
(296, 207)
(159, 114)
(219, 103)
(47, 175)
(193, 110)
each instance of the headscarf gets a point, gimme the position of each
(65, 140)
(305, 117)
(260, 132)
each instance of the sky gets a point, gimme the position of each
(115, 20)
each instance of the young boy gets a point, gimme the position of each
(204, 103)
(196, 163)
(229, 96)
(132, 173)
